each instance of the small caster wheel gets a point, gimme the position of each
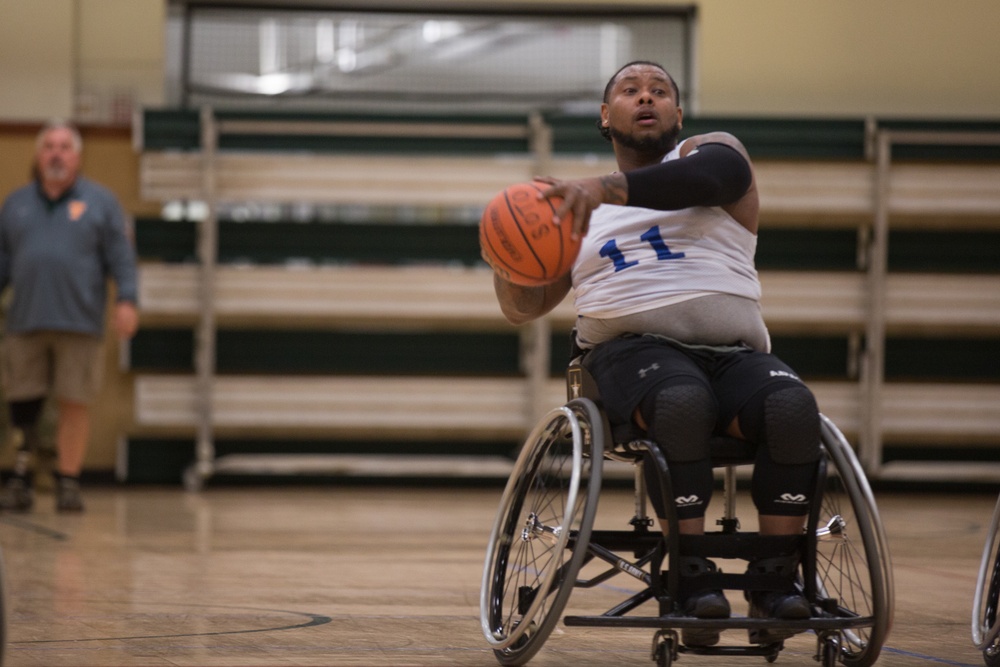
(664, 648)
(829, 650)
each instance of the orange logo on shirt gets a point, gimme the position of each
(76, 209)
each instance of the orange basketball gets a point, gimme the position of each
(519, 240)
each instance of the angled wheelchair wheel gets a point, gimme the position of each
(3, 613)
(853, 572)
(542, 528)
(985, 620)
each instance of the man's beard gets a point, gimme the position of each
(648, 144)
(55, 171)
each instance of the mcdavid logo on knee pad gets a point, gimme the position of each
(687, 501)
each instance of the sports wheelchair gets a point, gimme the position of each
(985, 623)
(544, 534)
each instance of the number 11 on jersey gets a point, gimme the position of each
(652, 237)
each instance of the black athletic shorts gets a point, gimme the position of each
(626, 369)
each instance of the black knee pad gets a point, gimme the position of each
(791, 426)
(681, 418)
(24, 414)
(784, 420)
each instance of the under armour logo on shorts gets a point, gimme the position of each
(643, 371)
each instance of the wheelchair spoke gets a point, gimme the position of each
(854, 599)
(533, 554)
(842, 567)
(853, 581)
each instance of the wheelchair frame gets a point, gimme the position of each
(985, 603)
(543, 534)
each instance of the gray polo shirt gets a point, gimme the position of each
(58, 255)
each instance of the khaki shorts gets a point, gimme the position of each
(68, 365)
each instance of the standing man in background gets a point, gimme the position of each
(61, 238)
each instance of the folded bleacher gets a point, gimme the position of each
(346, 344)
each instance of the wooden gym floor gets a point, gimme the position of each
(376, 576)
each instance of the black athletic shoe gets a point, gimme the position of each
(704, 604)
(787, 605)
(17, 496)
(708, 604)
(778, 605)
(68, 498)
(774, 604)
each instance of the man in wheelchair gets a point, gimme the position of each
(669, 320)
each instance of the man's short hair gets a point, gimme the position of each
(60, 124)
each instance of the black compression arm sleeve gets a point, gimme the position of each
(713, 175)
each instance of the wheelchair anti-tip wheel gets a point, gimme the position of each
(852, 564)
(541, 531)
(985, 621)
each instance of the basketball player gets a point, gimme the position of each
(667, 298)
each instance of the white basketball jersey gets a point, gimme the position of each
(637, 259)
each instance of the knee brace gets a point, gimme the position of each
(681, 418)
(785, 420)
(791, 426)
(24, 414)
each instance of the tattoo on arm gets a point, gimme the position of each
(614, 189)
(519, 301)
(525, 299)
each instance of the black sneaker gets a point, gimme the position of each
(68, 497)
(787, 605)
(17, 496)
(704, 604)
(707, 604)
(777, 605)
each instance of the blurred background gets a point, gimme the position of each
(322, 167)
